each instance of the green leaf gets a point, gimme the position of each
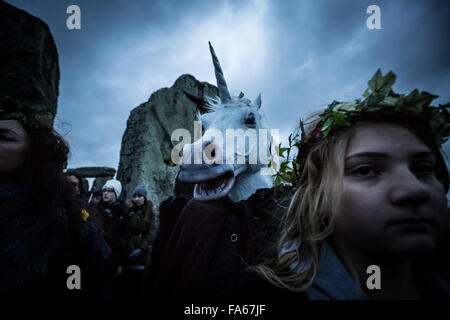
(282, 151)
(302, 128)
(417, 101)
(332, 105)
(389, 101)
(327, 126)
(277, 181)
(382, 84)
(346, 106)
(339, 119)
(376, 78)
(284, 166)
(373, 101)
(366, 93)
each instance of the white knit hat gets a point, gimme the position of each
(113, 184)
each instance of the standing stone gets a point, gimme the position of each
(100, 182)
(93, 172)
(145, 155)
(101, 175)
(29, 69)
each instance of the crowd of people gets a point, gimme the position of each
(128, 228)
(370, 189)
(371, 192)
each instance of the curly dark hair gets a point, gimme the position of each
(43, 179)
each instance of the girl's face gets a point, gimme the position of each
(13, 146)
(392, 202)
(96, 200)
(138, 200)
(109, 195)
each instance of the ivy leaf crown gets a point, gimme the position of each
(379, 98)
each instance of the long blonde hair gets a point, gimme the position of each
(310, 216)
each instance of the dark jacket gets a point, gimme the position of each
(36, 252)
(169, 212)
(139, 233)
(212, 243)
(114, 230)
(334, 282)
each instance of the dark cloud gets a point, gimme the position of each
(299, 54)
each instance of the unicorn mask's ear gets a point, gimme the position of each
(221, 84)
(257, 101)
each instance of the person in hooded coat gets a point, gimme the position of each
(139, 225)
(209, 264)
(113, 212)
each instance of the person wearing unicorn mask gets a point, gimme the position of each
(370, 209)
(218, 226)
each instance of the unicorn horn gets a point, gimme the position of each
(221, 84)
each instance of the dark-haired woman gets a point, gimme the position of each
(43, 230)
(140, 229)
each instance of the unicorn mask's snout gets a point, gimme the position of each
(208, 152)
(203, 165)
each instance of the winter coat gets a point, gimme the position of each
(212, 243)
(139, 233)
(35, 253)
(208, 247)
(334, 282)
(169, 212)
(96, 215)
(114, 229)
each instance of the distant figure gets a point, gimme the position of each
(96, 197)
(76, 183)
(140, 224)
(113, 214)
(169, 212)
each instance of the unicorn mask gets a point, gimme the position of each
(219, 167)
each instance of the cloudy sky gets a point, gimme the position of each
(300, 54)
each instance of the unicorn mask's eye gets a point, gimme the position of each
(251, 120)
